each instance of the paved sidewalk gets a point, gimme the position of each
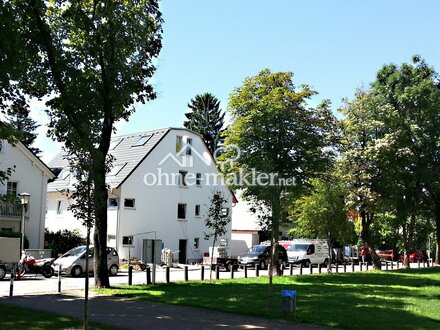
(136, 314)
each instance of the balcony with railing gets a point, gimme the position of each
(10, 211)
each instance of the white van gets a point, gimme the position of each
(308, 252)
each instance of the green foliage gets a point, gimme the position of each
(62, 241)
(322, 213)
(18, 117)
(207, 119)
(10, 234)
(216, 219)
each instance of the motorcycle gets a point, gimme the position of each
(30, 265)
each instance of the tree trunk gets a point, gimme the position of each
(367, 219)
(100, 233)
(437, 236)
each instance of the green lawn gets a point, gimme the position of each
(14, 317)
(401, 299)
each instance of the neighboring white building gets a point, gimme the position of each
(141, 204)
(30, 175)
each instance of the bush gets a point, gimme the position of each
(62, 241)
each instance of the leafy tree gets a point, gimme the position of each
(412, 92)
(93, 61)
(281, 140)
(322, 214)
(207, 119)
(216, 219)
(362, 164)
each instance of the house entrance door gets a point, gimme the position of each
(182, 251)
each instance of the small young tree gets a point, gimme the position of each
(216, 220)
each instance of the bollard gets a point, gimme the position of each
(245, 271)
(427, 263)
(345, 268)
(424, 263)
(319, 268)
(418, 263)
(232, 271)
(397, 264)
(366, 266)
(11, 284)
(257, 270)
(360, 266)
(291, 269)
(352, 267)
(300, 269)
(202, 273)
(148, 275)
(311, 269)
(386, 265)
(167, 274)
(185, 271)
(59, 278)
(130, 275)
(281, 270)
(217, 272)
(337, 268)
(392, 265)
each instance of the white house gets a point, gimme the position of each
(160, 186)
(29, 175)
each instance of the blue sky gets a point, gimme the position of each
(334, 46)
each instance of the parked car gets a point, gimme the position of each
(413, 256)
(73, 262)
(387, 255)
(308, 252)
(260, 255)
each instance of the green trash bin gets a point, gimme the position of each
(288, 298)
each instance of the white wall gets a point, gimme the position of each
(32, 179)
(156, 206)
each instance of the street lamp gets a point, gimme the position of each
(24, 198)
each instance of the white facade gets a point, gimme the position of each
(141, 203)
(30, 175)
(245, 228)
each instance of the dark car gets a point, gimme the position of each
(260, 255)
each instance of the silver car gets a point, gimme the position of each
(73, 262)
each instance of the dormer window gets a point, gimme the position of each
(144, 139)
(114, 143)
(189, 142)
(179, 143)
(117, 168)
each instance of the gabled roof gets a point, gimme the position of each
(128, 151)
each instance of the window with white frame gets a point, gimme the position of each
(181, 211)
(112, 202)
(127, 240)
(142, 140)
(182, 178)
(129, 203)
(197, 210)
(59, 207)
(114, 143)
(11, 188)
(196, 243)
(198, 179)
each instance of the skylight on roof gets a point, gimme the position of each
(115, 143)
(116, 169)
(144, 139)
